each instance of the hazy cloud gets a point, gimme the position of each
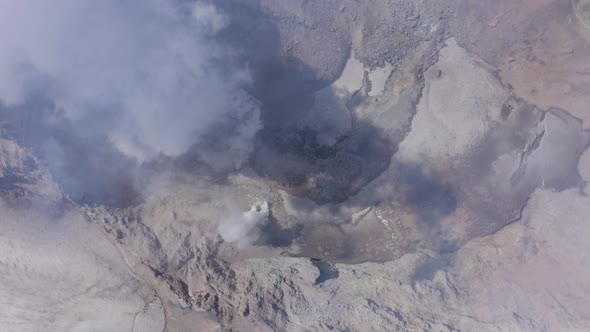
(207, 15)
(147, 75)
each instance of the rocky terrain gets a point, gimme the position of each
(421, 166)
(58, 271)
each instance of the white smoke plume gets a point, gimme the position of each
(243, 228)
(147, 75)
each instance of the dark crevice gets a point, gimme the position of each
(327, 271)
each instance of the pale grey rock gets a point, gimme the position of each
(58, 272)
(61, 274)
(22, 174)
(527, 276)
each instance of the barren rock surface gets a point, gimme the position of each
(417, 166)
(59, 273)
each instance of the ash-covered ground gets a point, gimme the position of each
(253, 165)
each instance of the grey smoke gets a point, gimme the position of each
(147, 75)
